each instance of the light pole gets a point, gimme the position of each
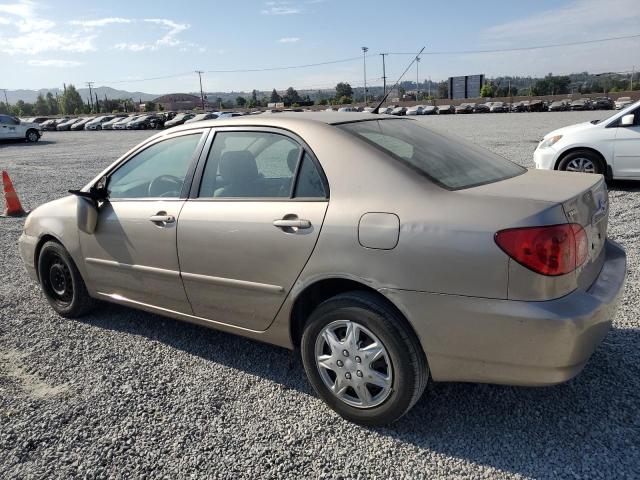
(364, 65)
(417, 78)
(384, 76)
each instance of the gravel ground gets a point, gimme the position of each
(126, 394)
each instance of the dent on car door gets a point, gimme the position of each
(245, 237)
(627, 149)
(132, 254)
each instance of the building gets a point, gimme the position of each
(181, 101)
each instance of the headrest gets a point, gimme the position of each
(237, 166)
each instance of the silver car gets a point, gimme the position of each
(387, 253)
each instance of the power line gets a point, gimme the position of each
(291, 67)
(519, 49)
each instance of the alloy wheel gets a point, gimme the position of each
(581, 164)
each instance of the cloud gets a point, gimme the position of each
(101, 22)
(54, 63)
(280, 8)
(24, 9)
(289, 40)
(173, 29)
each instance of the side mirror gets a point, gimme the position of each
(87, 215)
(627, 120)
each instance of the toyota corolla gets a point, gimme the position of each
(387, 253)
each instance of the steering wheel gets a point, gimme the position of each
(165, 186)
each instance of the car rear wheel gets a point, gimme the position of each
(61, 282)
(583, 161)
(32, 136)
(362, 359)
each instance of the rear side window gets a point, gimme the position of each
(309, 184)
(449, 162)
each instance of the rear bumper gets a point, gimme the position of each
(473, 339)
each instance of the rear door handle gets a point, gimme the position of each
(293, 223)
(162, 217)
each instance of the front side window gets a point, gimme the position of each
(250, 165)
(449, 162)
(157, 171)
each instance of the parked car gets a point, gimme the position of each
(537, 106)
(610, 146)
(522, 106)
(51, 124)
(179, 119)
(66, 125)
(465, 108)
(122, 123)
(446, 109)
(385, 110)
(203, 116)
(482, 108)
(80, 124)
(604, 103)
(109, 125)
(415, 110)
(481, 271)
(347, 109)
(498, 107)
(581, 104)
(146, 122)
(368, 109)
(12, 128)
(430, 110)
(558, 106)
(96, 123)
(399, 111)
(623, 102)
(35, 119)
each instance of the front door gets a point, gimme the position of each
(627, 149)
(9, 127)
(132, 254)
(246, 237)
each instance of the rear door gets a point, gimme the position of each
(627, 149)
(10, 127)
(247, 231)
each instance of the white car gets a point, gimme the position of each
(623, 102)
(96, 123)
(610, 147)
(12, 128)
(109, 125)
(415, 110)
(122, 123)
(347, 109)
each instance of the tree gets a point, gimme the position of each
(241, 101)
(41, 107)
(254, 97)
(344, 100)
(4, 108)
(150, 107)
(551, 85)
(487, 90)
(443, 89)
(71, 101)
(52, 104)
(275, 98)
(344, 90)
(291, 96)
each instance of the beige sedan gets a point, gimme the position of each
(387, 253)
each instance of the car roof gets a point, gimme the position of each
(287, 119)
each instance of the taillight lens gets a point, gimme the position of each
(550, 250)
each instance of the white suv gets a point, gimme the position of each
(13, 128)
(610, 146)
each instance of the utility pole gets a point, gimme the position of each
(90, 84)
(200, 72)
(429, 87)
(633, 71)
(364, 64)
(417, 78)
(6, 102)
(384, 76)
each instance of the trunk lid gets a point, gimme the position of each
(583, 198)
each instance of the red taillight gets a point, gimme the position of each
(550, 250)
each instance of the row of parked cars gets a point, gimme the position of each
(123, 121)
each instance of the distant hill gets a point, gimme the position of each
(30, 96)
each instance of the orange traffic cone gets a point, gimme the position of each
(13, 206)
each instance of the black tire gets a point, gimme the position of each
(99, 127)
(571, 160)
(61, 282)
(408, 362)
(32, 136)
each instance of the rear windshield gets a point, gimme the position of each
(450, 162)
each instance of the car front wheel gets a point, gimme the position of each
(61, 281)
(33, 136)
(583, 161)
(362, 359)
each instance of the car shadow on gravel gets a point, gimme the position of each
(5, 143)
(538, 432)
(623, 185)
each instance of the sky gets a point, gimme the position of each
(129, 44)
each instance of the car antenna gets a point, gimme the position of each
(384, 99)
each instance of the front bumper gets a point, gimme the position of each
(27, 248)
(470, 339)
(545, 158)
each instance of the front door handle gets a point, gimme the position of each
(162, 217)
(292, 223)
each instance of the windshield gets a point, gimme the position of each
(450, 162)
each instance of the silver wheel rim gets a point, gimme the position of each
(581, 164)
(33, 137)
(353, 364)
